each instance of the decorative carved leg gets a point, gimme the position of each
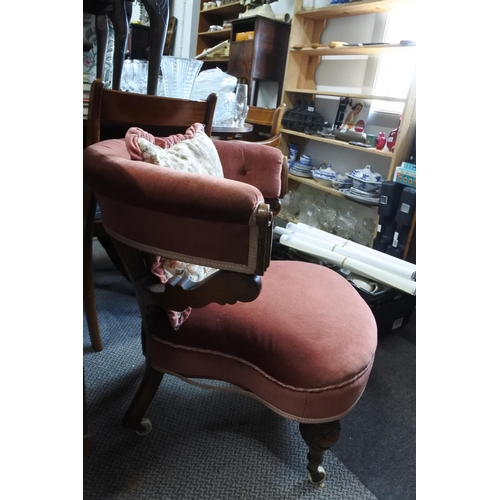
(319, 438)
(158, 11)
(101, 29)
(119, 19)
(133, 418)
(88, 273)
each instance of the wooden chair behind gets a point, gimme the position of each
(266, 125)
(111, 114)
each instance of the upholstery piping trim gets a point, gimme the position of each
(217, 264)
(263, 401)
(263, 373)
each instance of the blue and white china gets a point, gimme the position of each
(341, 181)
(360, 196)
(341, 184)
(294, 149)
(324, 175)
(300, 166)
(301, 174)
(366, 180)
(300, 169)
(306, 160)
(366, 174)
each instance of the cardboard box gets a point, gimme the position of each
(245, 35)
(407, 174)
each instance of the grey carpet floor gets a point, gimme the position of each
(208, 444)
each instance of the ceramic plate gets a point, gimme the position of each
(300, 174)
(366, 194)
(362, 199)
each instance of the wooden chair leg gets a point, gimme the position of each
(159, 13)
(319, 438)
(101, 28)
(119, 18)
(88, 273)
(133, 418)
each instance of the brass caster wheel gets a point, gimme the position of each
(145, 427)
(318, 477)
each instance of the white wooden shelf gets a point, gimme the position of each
(335, 142)
(343, 94)
(354, 8)
(363, 50)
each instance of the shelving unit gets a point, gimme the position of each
(207, 39)
(300, 83)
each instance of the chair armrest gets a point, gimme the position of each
(253, 163)
(204, 220)
(178, 293)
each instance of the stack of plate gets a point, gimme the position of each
(361, 196)
(301, 170)
(366, 185)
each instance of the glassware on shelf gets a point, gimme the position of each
(346, 223)
(308, 212)
(241, 105)
(364, 234)
(290, 204)
(179, 75)
(326, 216)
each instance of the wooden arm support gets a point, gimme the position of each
(222, 287)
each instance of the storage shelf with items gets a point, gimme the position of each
(336, 142)
(218, 17)
(310, 53)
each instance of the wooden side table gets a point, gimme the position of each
(227, 132)
(262, 58)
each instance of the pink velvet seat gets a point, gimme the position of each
(305, 346)
(296, 336)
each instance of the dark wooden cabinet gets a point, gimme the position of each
(261, 59)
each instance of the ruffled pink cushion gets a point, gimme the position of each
(134, 133)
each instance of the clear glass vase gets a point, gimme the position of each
(241, 105)
(179, 75)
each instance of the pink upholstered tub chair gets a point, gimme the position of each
(296, 336)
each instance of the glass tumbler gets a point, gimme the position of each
(127, 75)
(141, 76)
(241, 108)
